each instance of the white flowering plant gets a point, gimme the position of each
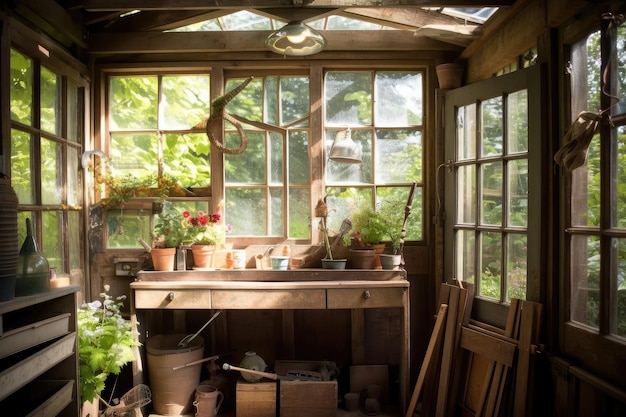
(105, 343)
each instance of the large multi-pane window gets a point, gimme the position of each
(156, 142)
(268, 186)
(595, 233)
(493, 211)
(47, 134)
(382, 113)
(156, 127)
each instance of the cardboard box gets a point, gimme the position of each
(256, 399)
(307, 398)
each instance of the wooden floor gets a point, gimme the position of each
(389, 411)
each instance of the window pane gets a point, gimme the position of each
(21, 88)
(271, 101)
(74, 191)
(518, 192)
(466, 194)
(585, 196)
(133, 102)
(466, 132)
(491, 132)
(254, 200)
(276, 159)
(350, 173)
(491, 271)
(398, 99)
(299, 160)
(466, 255)
(396, 199)
(134, 155)
(186, 159)
(294, 95)
(52, 238)
(73, 234)
(277, 214)
(185, 101)
(125, 227)
(248, 167)
(585, 280)
(74, 113)
(621, 69)
(491, 196)
(348, 98)
(517, 271)
(398, 156)
(342, 200)
(21, 177)
(51, 172)
(249, 102)
(299, 213)
(50, 101)
(517, 121)
(620, 163)
(620, 317)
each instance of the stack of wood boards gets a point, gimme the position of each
(472, 369)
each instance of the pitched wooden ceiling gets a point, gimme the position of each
(102, 28)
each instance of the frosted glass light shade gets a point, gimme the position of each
(296, 39)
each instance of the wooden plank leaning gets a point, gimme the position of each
(427, 363)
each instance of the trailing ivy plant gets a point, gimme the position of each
(105, 343)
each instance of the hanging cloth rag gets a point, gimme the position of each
(573, 153)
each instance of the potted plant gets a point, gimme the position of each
(367, 238)
(205, 232)
(328, 262)
(167, 236)
(375, 228)
(105, 344)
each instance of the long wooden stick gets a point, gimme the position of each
(434, 338)
(210, 358)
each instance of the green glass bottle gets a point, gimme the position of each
(33, 270)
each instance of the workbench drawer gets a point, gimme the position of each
(272, 299)
(173, 299)
(365, 297)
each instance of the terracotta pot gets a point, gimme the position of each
(378, 249)
(163, 258)
(203, 255)
(449, 75)
(362, 258)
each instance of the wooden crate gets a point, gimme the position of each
(256, 399)
(307, 398)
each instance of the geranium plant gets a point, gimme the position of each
(204, 229)
(105, 343)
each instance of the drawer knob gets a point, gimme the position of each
(170, 296)
(367, 295)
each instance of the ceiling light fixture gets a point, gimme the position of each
(296, 39)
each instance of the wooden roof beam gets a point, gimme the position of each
(205, 42)
(108, 5)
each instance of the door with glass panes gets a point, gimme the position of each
(493, 190)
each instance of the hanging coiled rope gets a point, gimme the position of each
(218, 114)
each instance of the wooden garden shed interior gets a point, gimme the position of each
(495, 207)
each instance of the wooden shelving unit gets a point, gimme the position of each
(39, 354)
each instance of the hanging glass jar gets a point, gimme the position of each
(33, 270)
